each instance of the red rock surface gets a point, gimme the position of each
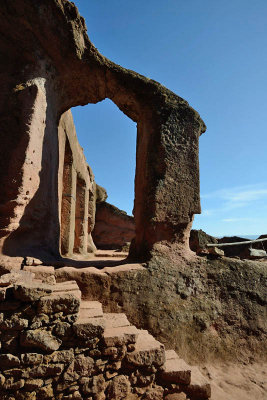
(49, 65)
(113, 227)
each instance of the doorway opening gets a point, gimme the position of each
(97, 179)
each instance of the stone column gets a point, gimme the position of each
(68, 209)
(80, 239)
(85, 222)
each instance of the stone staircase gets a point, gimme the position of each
(140, 350)
(124, 356)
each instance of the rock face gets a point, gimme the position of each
(199, 239)
(113, 227)
(47, 66)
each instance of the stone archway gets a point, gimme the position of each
(62, 69)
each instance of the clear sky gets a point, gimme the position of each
(214, 55)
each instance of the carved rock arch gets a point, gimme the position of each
(59, 69)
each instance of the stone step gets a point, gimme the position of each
(90, 309)
(119, 336)
(44, 273)
(67, 287)
(199, 388)
(176, 370)
(87, 327)
(115, 320)
(148, 351)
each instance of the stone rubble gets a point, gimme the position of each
(56, 346)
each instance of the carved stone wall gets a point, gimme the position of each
(76, 192)
(113, 227)
(47, 66)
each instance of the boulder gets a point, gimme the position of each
(40, 339)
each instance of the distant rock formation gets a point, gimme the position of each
(113, 227)
(200, 239)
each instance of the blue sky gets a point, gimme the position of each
(213, 54)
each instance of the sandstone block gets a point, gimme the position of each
(81, 366)
(110, 352)
(44, 371)
(91, 309)
(16, 277)
(115, 320)
(31, 291)
(86, 385)
(31, 261)
(63, 330)
(41, 339)
(16, 372)
(98, 384)
(66, 303)
(8, 361)
(39, 320)
(63, 356)
(113, 227)
(175, 369)
(12, 384)
(155, 393)
(15, 323)
(32, 384)
(45, 393)
(120, 336)
(31, 358)
(148, 351)
(118, 388)
(68, 287)
(87, 328)
(216, 251)
(199, 388)
(46, 274)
